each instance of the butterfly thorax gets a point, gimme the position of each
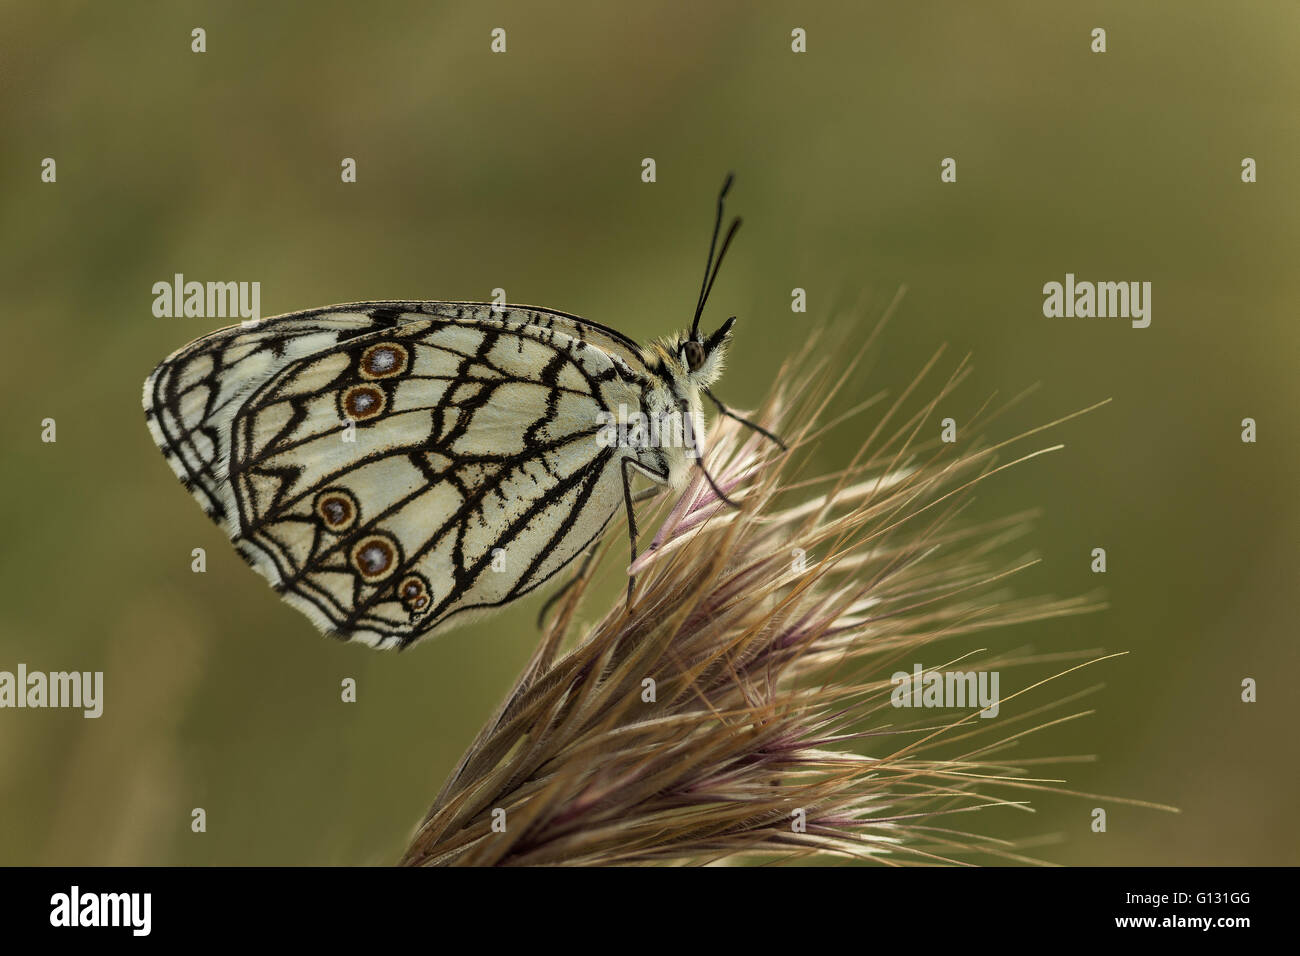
(674, 392)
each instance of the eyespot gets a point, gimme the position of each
(413, 592)
(384, 360)
(337, 509)
(375, 557)
(363, 402)
(694, 353)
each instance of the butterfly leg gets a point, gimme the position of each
(643, 495)
(568, 585)
(698, 457)
(628, 498)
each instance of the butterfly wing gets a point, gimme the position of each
(391, 466)
(192, 397)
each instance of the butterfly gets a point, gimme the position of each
(395, 468)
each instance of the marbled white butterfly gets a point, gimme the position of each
(394, 467)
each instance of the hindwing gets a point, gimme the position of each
(391, 466)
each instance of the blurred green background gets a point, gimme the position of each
(522, 171)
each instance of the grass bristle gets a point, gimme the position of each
(771, 681)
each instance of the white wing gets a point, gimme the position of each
(473, 476)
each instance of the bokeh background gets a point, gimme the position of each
(522, 171)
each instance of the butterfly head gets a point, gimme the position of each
(703, 358)
(692, 360)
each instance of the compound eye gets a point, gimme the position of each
(694, 355)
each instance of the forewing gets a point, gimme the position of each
(398, 479)
(392, 465)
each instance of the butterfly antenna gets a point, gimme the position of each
(710, 266)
